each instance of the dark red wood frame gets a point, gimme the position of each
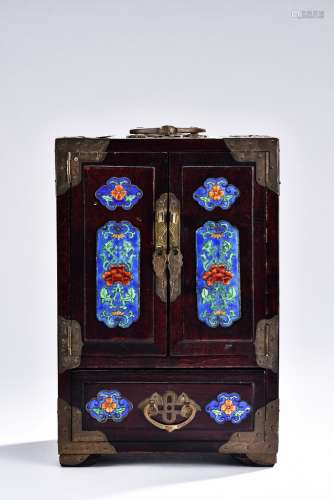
(234, 365)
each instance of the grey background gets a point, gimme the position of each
(98, 68)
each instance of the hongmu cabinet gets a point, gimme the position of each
(167, 295)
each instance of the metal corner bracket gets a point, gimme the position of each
(261, 445)
(69, 344)
(265, 157)
(73, 441)
(70, 153)
(266, 343)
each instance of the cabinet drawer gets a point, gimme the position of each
(150, 406)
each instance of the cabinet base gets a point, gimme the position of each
(76, 460)
(67, 460)
(260, 460)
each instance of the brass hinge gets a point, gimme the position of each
(266, 343)
(68, 172)
(73, 174)
(68, 168)
(70, 344)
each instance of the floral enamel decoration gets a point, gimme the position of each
(228, 407)
(119, 192)
(117, 274)
(218, 274)
(109, 405)
(216, 192)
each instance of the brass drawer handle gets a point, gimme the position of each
(168, 407)
(175, 258)
(188, 410)
(160, 253)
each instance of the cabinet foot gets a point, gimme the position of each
(256, 459)
(77, 460)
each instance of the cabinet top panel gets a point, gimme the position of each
(193, 140)
(168, 144)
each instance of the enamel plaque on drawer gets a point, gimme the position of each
(109, 405)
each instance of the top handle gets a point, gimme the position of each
(166, 131)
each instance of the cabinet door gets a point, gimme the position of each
(223, 246)
(112, 242)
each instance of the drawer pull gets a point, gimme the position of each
(168, 408)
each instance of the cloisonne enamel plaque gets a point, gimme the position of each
(218, 274)
(119, 192)
(109, 406)
(228, 407)
(216, 192)
(117, 274)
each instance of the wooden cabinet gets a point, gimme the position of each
(167, 296)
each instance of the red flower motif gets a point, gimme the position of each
(118, 192)
(109, 405)
(218, 273)
(117, 274)
(216, 192)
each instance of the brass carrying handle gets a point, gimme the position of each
(160, 252)
(175, 259)
(188, 411)
(166, 131)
